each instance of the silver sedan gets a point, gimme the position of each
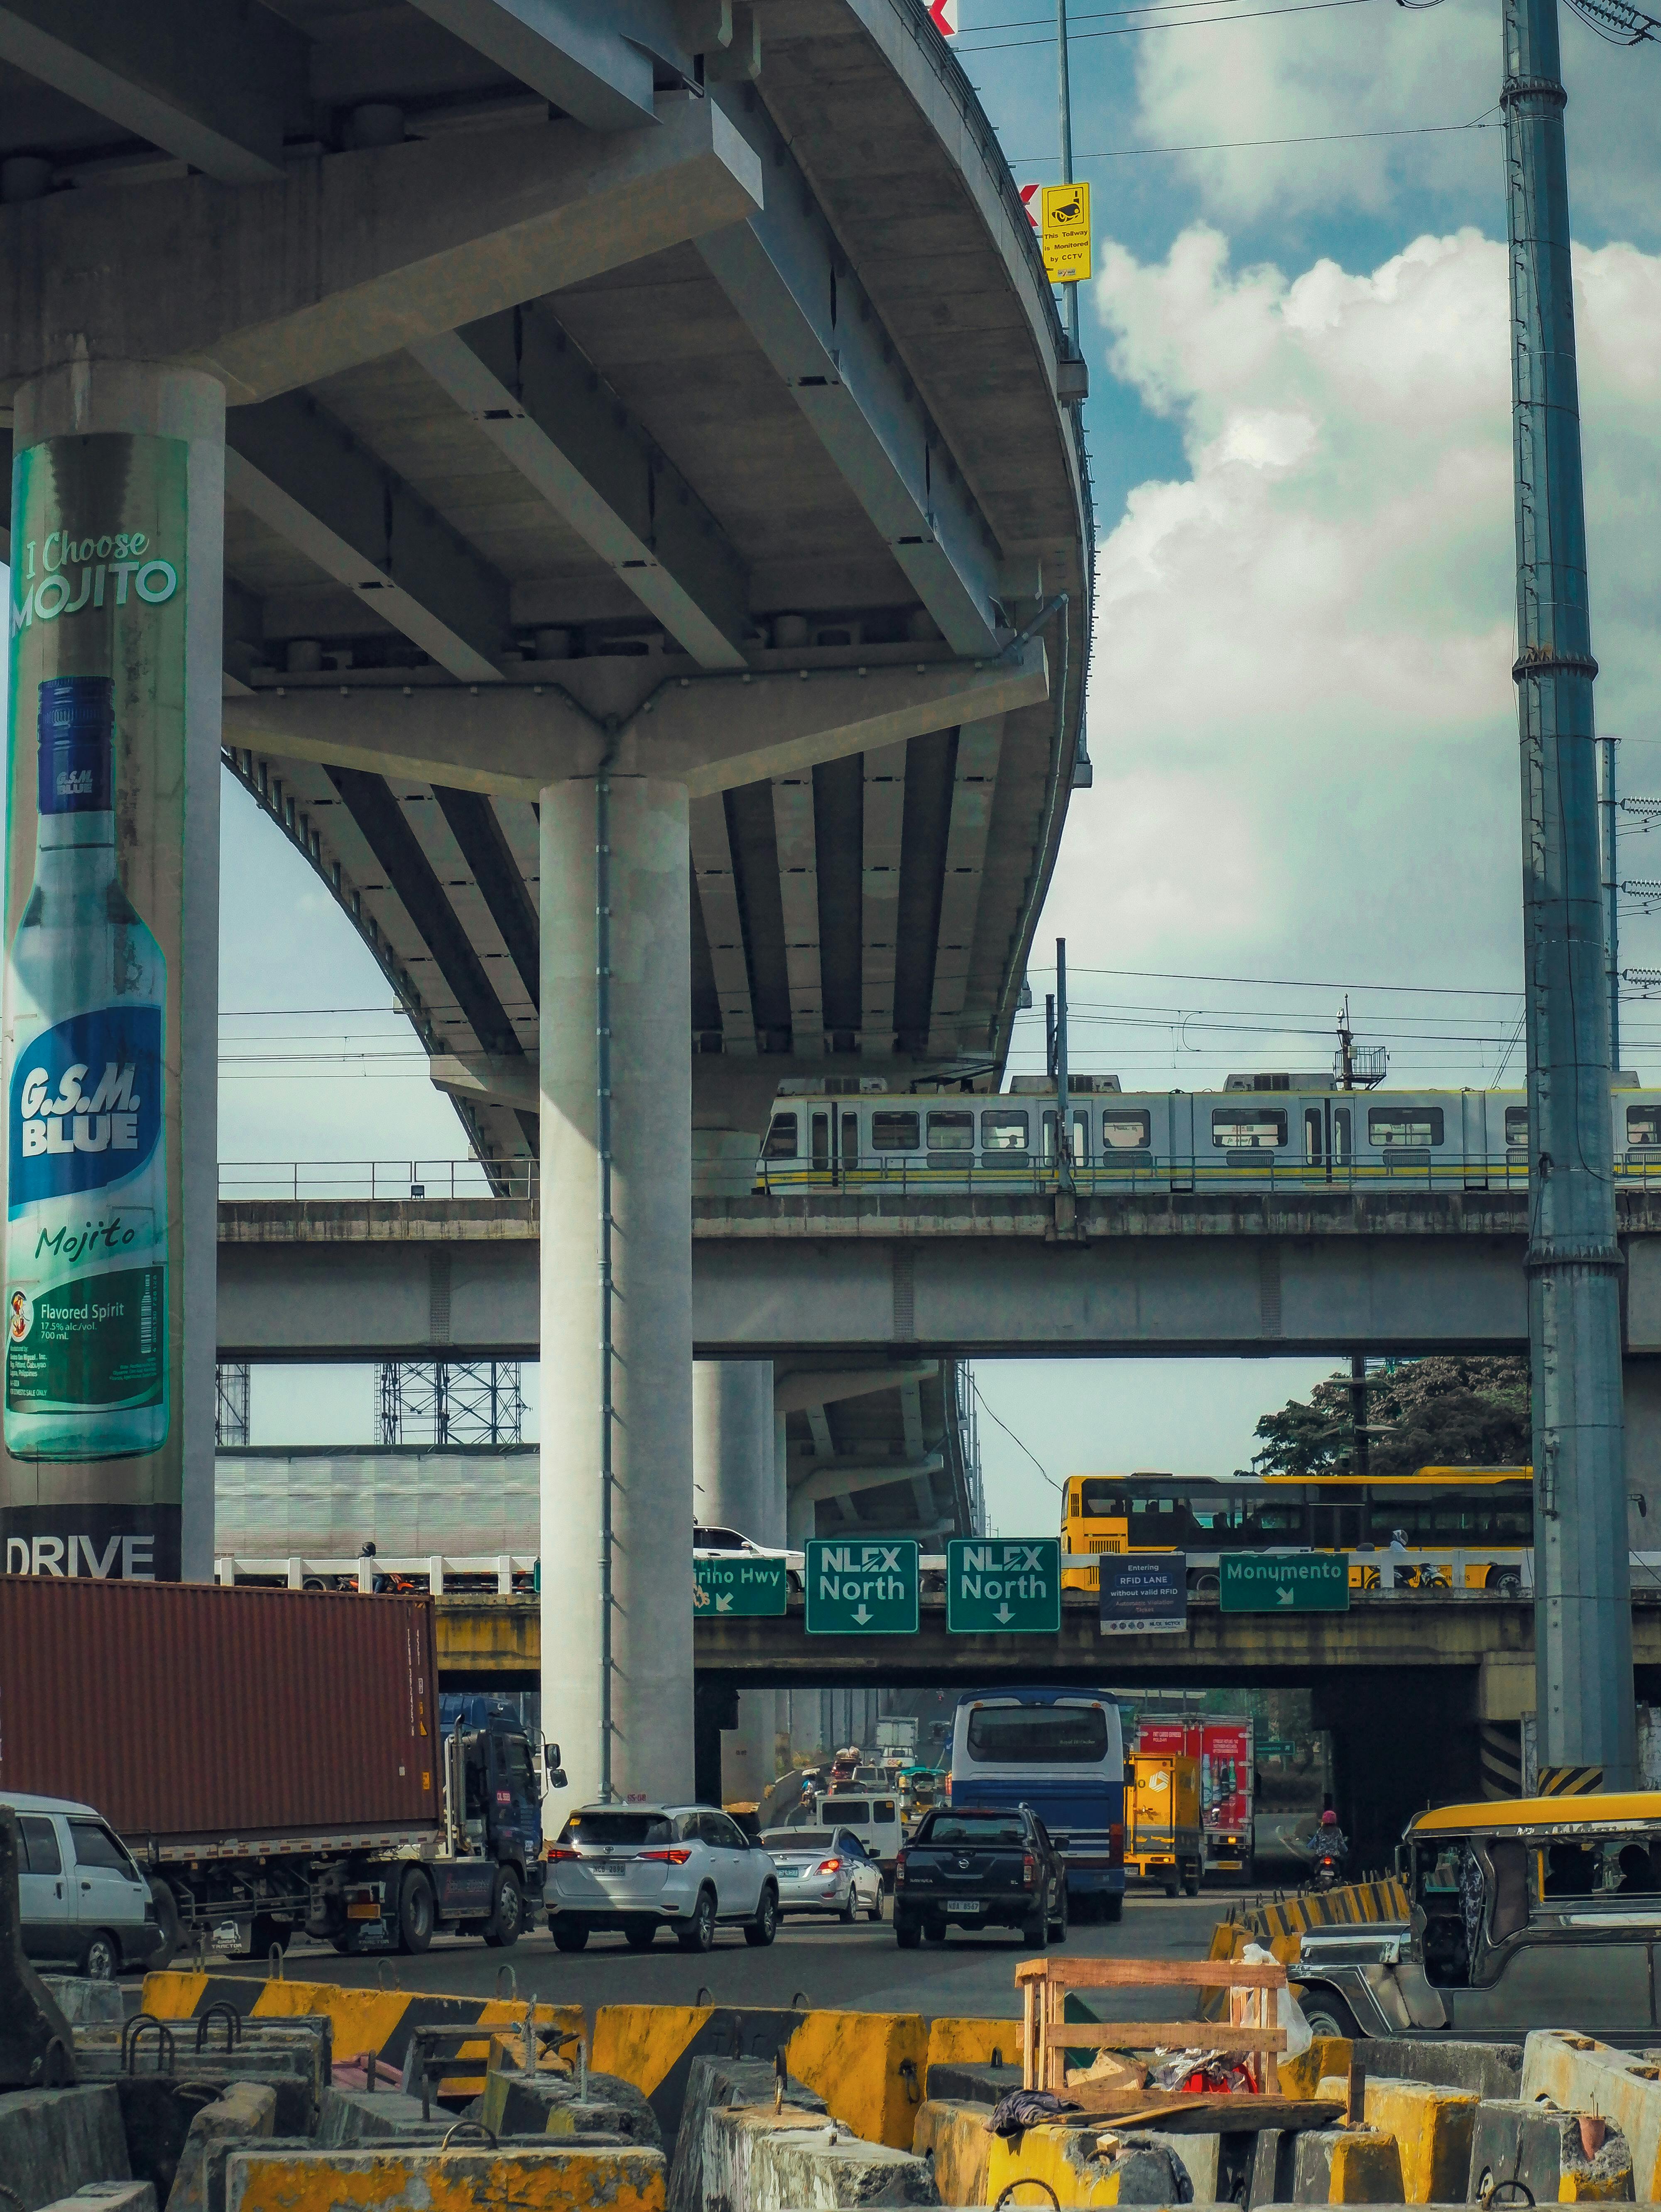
(824, 1870)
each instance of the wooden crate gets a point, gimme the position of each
(1253, 2027)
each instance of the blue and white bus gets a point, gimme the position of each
(1061, 1752)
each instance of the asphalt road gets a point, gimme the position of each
(846, 1969)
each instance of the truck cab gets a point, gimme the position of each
(1519, 1913)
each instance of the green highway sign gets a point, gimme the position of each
(862, 1588)
(739, 1583)
(995, 1587)
(1284, 1581)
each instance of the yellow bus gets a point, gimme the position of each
(1472, 1526)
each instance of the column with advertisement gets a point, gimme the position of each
(107, 819)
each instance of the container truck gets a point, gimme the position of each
(1162, 1803)
(275, 1761)
(1221, 1743)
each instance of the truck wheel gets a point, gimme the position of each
(1191, 1881)
(502, 1930)
(418, 1910)
(907, 1934)
(1035, 1928)
(1112, 1904)
(100, 1956)
(266, 1931)
(567, 1935)
(168, 1922)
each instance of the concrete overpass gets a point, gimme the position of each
(1410, 1686)
(640, 555)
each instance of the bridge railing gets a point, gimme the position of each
(501, 1572)
(1125, 1174)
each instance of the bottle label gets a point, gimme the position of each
(86, 1104)
(96, 1341)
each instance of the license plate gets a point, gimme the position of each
(790, 1873)
(962, 1904)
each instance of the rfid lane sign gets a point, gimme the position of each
(738, 1585)
(862, 1589)
(1284, 1581)
(1003, 1588)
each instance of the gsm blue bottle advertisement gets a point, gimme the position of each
(90, 1472)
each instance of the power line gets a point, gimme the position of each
(1010, 1433)
(1291, 982)
(1188, 23)
(1319, 138)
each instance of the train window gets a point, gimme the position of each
(781, 1138)
(1002, 1131)
(894, 1132)
(1644, 1125)
(820, 1126)
(1123, 1132)
(1395, 1128)
(1250, 1129)
(850, 1138)
(1313, 1144)
(1517, 1127)
(1340, 1135)
(952, 1133)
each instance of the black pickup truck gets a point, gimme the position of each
(975, 1867)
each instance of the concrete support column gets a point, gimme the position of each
(733, 1478)
(616, 1286)
(118, 578)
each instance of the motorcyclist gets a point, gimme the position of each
(1328, 1843)
(366, 1557)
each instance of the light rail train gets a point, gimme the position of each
(1260, 1132)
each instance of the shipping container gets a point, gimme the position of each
(273, 1758)
(1221, 1745)
(1162, 1803)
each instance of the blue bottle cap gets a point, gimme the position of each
(77, 719)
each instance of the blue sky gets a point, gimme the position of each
(1301, 714)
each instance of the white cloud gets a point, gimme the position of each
(1302, 718)
(1376, 68)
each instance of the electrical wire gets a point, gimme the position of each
(1010, 1433)
(1189, 23)
(1289, 982)
(1318, 139)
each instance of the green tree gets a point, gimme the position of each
(1433, 1412)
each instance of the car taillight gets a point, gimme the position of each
(1115, 1843)
(1029, 1871)
(899, 1869)
(557, 1851)
(668, 1858)
(829, 1866)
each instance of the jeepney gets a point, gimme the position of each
(1524, 1913)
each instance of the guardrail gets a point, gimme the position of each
(504, 1572)
(1150, 1172)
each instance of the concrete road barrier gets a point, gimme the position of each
(420, 2178)
(349, 2118)
(868, 2067)
(1327, 2059)
(717, 2085)
(1492, 2069)
(519, 2105)
(655, 2046)
(1432, 2126)
(1346, 2165)
(974, 2043)
(247, 2110)
(756, 2159)
(84, 2002)
(952, 2137)
(54, 2141)
(1067, 2161)
(1545, 2149)
(108, 2196)
(1581, 2074)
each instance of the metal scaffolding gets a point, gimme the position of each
(230, 1418)
(1583, 1610)
(425, 1402)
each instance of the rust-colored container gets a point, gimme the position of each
(186, 1710)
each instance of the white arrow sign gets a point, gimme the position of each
(862, 1613)
(723, 1604)
(1004, 1615)
(1284, 1596)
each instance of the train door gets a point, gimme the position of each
(1474, 1122)
(1180, 1145)
(819, 1130)
(850, 1148)
(1329, 1130)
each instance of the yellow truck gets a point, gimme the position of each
(1162, 1820)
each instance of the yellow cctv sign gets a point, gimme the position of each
(1064, 232)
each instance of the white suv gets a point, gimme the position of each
(637, 1868)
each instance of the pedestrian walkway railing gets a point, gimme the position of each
(502, 1573)
(387, 1180)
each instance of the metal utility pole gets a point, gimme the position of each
(1063, 1145)
(1612, 924)
(1583, 1605)
(1065, 92)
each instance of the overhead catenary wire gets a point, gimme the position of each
(1182, 23)
(1010, 1433)
(1314, 138)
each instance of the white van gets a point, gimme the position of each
(874, 1817)
(81, 1897)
